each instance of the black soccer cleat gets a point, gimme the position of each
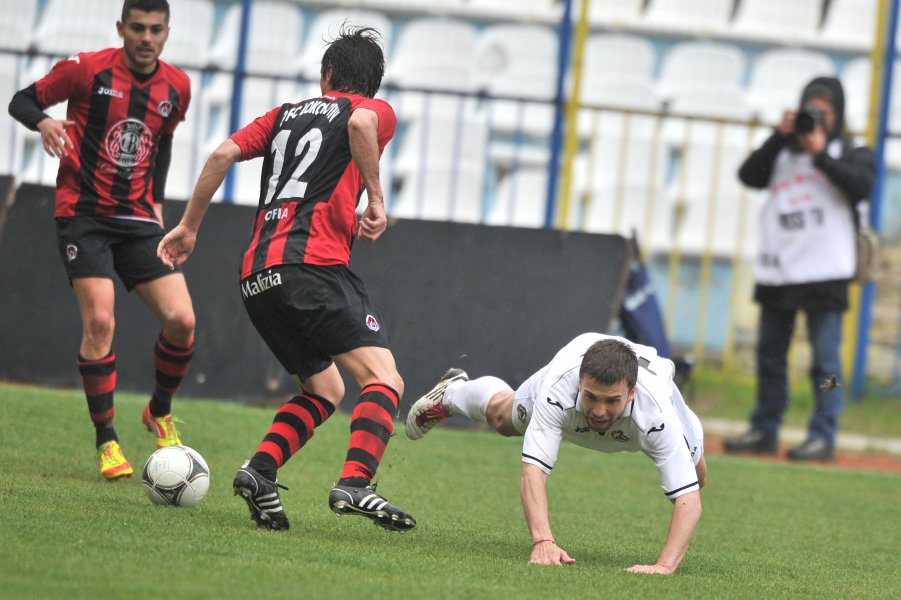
(261, 496)
(363, 501)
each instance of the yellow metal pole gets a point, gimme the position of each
(707, 255)
(572, 114)
(851, 320)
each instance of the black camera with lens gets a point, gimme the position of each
(807, 118)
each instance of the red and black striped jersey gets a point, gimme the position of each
(309, 185)
(118, 123)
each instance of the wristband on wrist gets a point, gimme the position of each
(551, 540)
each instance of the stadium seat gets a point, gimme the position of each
(520, 199)
(544, 10)
(434, 53)
(705, 186)
(780, 21)
(850, 24)
(11, 130)
(441, 193)
(713, 101)
(618, 177)
(618, 74)
(778, 76)
(70, 26)
(688, 65)
(855, 79)
(521, 61)
(612, 15)
(327, 24)
(274, 39)
(617, 57)
(191, 33)
(18, 23)
(441, 163)
(694, 17)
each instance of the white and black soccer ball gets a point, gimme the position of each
(176, 476)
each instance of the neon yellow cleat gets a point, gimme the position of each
(112, 464)
(163, 429)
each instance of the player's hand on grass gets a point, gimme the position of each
(547, 552)
(374, 222)
(176, 247)
(651, 569)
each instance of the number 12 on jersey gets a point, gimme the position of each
(307, 149)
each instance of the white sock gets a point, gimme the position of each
(470, 398)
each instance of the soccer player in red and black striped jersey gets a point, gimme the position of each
(114, 148)
(313, 312)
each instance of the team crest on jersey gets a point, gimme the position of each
(620, 436)
(128, 143)
(372, 324)
(521, 413)
(165, 108)
(71, 252)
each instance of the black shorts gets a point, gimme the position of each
(106, 246)
(307, 314)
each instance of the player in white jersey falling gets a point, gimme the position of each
(601, 392)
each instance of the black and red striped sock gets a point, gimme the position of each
(292, 427)
(370, 428)
(98, 377)
(171, 363)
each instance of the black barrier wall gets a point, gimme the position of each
(491, 300)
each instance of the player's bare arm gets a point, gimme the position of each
(364, 147)
(686, 513)
(533, 491)
(176, 247)
(54, 137)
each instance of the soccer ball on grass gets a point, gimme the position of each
(176, 476)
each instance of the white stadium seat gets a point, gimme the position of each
(850, 24)
(434, 53)
(520, 61)
(274, 38)
(781, 21)
(18, 23)
(688, 65)
(855, 79)
(612, 14)
(520, 9)
(778, 76)
(520, 199)
(191, 33)
(70, 26)
(696, 17)
(618, 73)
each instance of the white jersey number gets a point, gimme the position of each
(307, 148)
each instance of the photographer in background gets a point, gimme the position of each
(806, 257)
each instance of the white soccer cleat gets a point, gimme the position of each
(430, 410)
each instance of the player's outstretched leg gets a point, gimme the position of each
(430, 410)
(261, 496)
(363, 501)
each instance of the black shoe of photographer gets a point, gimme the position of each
(753, 442)
(815, 449)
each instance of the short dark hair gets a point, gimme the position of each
(610, 361)
(145, 6)
(356, 60)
